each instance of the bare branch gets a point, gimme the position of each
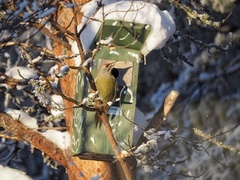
(127, 172)
(51, 36)
(160, 116)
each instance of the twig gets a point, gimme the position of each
(51, 36)
(76, 38)
(52, 128)
(213, 140)
(193, 14)
(127, 172)
(88, 74)
(2, 135)
(28, 45)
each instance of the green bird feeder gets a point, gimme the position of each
(122, 42)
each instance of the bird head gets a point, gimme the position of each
(107, 67)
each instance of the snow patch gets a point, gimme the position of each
(61, 139)
(12, 174)
(22, 117)
(21, 73)
(135, 55)
(57, 105)
(47, 12)
(77, 58)
(63, 70)
(114, 52)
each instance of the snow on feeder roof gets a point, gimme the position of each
(161, 22)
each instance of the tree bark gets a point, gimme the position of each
(82, 169)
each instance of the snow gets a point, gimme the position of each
(107, 41)
(57, 105)
(37, 60)
(135, 55)
(161, 22)
(7, 173)
(47, 12)
(20, 8)
(43, 97)
(87, 62)
(75, 51)
(61, 139)
(143, 152)
(93, 141)
(123, 38)
(35, 6)
(151, 134)
(131, 94)
(63, 71)
(141, 121)
(53, 71)
(88, 9)
(148, 151)
(114, 52)
(21, 73)
(22, 117)
(48, 25)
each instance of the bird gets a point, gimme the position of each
(106, 86)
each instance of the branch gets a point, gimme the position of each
(3, 135)
(160, 116)
(28, 45)
(21, 131)
(51, 36)
(193, 14)
(11, 82)
(125, 167)
(76, 35)
(213, 140)
(88, 74)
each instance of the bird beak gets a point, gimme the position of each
(111, 64)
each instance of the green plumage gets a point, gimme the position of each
(106, 86)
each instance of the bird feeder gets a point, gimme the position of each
(121, 42)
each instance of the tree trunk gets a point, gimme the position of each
(82, 169)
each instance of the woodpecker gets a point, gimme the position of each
(106, 85)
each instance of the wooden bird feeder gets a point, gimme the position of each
(120, 41)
